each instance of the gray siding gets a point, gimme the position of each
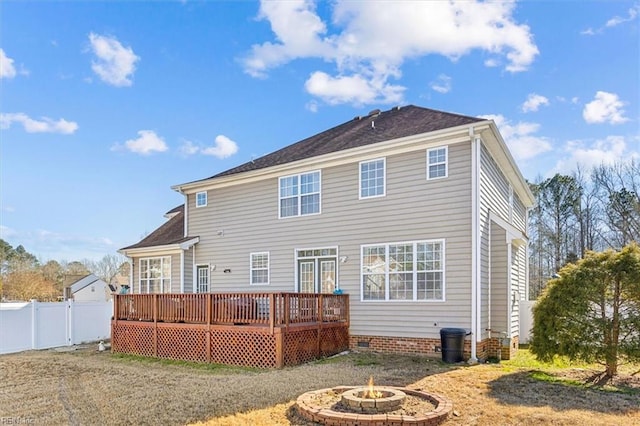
(518, 277)
(519, 214)
(495, 198)
(188, 271)
(499, 276)
(413, 209)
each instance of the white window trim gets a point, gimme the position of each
(446, 162)
(197, 280)
(251, 268)
(384, 178)
(147, 259)
(296, 257)
(205, 199)
(299, 196)
(415, 272)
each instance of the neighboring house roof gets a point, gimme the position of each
(170, 232)
(376, 127)
(83, 282)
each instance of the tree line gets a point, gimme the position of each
(586, 211)
(24, 277)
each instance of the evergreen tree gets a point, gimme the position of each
(592, 311)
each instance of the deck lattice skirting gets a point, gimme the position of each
(263, 330)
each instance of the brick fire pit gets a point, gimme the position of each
(309, 408)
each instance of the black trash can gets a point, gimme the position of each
(452, 340)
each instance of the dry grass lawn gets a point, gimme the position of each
(86, 387)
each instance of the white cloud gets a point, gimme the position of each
(611, 150)
(355, 89)
(617, 20)
(312, 106)
(223, 148)
(6, 232)
(521, 138)
(7, 70)
(147, 143)
(368, 47)
(188, 148)
(44, 125)
(114, 64)
(534, 102)
(632, 13)
(442, 84)
(605, 108)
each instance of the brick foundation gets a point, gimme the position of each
(485, 349)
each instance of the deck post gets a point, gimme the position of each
(279, 336)
(272, 312)
(116, 310)
(320, 306)
(155, 325)
(346, 309)
(286, 310)
(208, 322)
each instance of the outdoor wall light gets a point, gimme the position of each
(212, 267)
(343, 259)
(220, 233)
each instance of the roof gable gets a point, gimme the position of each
(85, 282)
(376, 127)
(170, 232)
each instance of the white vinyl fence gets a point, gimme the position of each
(40, 325)
(526, 320)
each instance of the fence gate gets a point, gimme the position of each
(43, 325)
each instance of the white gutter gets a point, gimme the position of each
(168, 248)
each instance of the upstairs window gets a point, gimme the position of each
(201, 199)
(299, 195)
(372, 178)
(437, 159)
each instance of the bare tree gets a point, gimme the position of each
(619, 195)
(107, 268)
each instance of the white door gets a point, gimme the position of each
(202, 279)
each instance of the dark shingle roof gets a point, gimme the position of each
(392, 124)
(170, 232)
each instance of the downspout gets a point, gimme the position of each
(181, 271)
(131, 274)
(475, 243)
(489, 276)
(186, 233)
(194, 276)
(509, 286)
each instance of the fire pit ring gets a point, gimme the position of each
(308, 408)
(389, 400)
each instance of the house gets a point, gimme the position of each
(418, 215)
(85, 288)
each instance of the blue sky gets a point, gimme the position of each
(104, 106)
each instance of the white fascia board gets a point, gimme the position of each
(160, 250)
(448, 136)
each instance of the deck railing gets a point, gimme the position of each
(273, 309)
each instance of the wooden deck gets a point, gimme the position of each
(246, 329)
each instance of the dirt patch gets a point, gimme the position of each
(85, 387)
